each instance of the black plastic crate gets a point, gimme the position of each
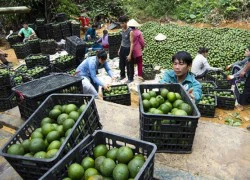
(124, 99)
(34, 46)
(176, 134)
(22, 50)
(87, 123)
(75, 29)
(222, 82)
(5, 91)
(49, 30)
(148, 72)
(115, 39)
(205, 89)
(31, 94)
(48, 46)
(41, 32)
(242, 97)
(86, 147)
(207, 110)
(66, 33)
(65, 25)
(60, 17)
(44, 72)
(8, 103)
(17, 79)
(5, 76)
(37, 59)
(75, 46)
(224, 102)
(22, 70)
(14, 38)
(40, 21)
(64, 66)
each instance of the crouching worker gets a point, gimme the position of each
(88, 70)
(182, 62)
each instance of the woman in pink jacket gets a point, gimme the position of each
(139, 44)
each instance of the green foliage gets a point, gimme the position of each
(195, 10)
(107, 8)
(226, 45)
(67, 7)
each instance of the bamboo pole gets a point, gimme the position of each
(11, 10)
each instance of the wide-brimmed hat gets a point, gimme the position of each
(160, 37)
(133, 23)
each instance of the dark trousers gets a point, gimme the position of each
(124, 52)
(96, 86)
(202, 75)
(246, 92)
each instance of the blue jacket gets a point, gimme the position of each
(91, 32)
(89, 67)
(189, 82)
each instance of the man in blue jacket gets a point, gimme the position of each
(89, 68)
(182, 62)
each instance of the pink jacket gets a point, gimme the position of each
(139, 43)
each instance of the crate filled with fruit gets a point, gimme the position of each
(35, 60)
(225, 98)
(206, 85)
(241, 96)
(31, 94)
(207, 105)
(64, 63)
(32, 73)
(48, 46)
(168, 117)
(219, 78)
(119, 94)
(148, 72)
(105, 155)
(4, 75)
(56, 127)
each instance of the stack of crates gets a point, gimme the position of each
(34, 46)
(114, 44)
(75, 46)
(66, 29)
(7, 97)
(48, 46)
(49, 30)
(57, 33)
(22, 50)
(14, 38)
(75, 29)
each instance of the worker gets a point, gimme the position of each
(182, 62)
(26, 32)
(88, 70)
(200, 65)
(239, 65)
(139, 45)
(84, 21)
(245, 72)
(125, 51)
(91, 33)
(104, 40)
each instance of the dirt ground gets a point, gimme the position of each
(220, 114)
